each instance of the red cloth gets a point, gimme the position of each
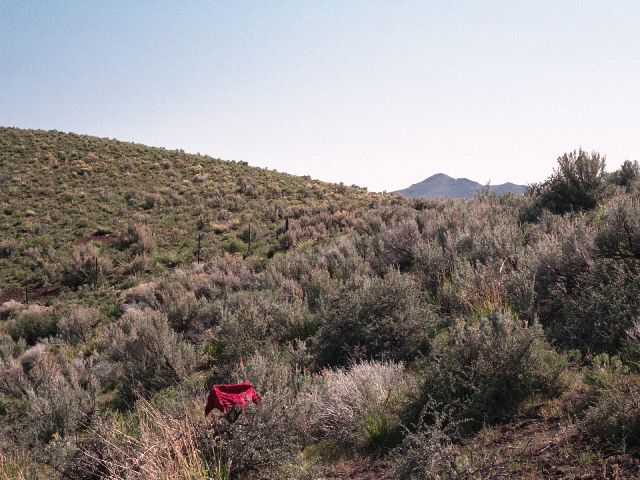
(224, 397)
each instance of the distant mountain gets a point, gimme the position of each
(441, 185)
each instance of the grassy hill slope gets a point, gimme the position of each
(61, 190)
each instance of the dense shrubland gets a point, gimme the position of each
(418, 331)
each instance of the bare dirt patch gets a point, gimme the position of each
(18, 293)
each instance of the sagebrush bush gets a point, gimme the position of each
(61, 398)
(55, 395)
(249, 321)
(382, 318)
(137, 238)
(77, 325)
(138, 264)
(595, 318)
(484, 370)
(576, 273)
(9, 308)
(627, 176)
(398, 246)
(32, 323)
(86, 266)
(9, 348)
(613, 400)
(7, 247)
(143, 295)
(577, 184)
(619, 235)
(147, 353)
(361, 406)
(32, 356)
(433, 452)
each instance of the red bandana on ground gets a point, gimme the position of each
(224, 397)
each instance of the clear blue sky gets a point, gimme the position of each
(381, 94)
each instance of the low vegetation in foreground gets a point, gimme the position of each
(497, 337)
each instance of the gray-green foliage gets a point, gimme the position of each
(251, 321)
(32, 323)
(627, 175)
(579, 269)
(613, 404)
(433, 452)
(484, 370)
(382, 318)
(578, 183)
(148, 354)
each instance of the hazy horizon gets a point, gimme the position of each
(376, 94)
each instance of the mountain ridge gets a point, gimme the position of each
(441, 185)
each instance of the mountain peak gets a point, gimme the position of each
(442, 185)
(438, 176)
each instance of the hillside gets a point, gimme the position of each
(61, 191)
(389, 337)
(444, 186)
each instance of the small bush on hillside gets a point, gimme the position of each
(183, 310)
(138, 264)
(32, 323)
(361, 406)
(233, 245)
(150, 200)
(223, 274)
(342, 260)
(138, 238)
(45, 264)
(53, 395)
(77, 325)
(484, 370)
(398, 246)
(384, 318)
(13, 379)
(9, 348)
(7, 247)
(143, 295)
(149, 355)
(10, 307)
(32, 356)
(170, 297)
(85, 267)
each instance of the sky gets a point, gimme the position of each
(378, 94)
